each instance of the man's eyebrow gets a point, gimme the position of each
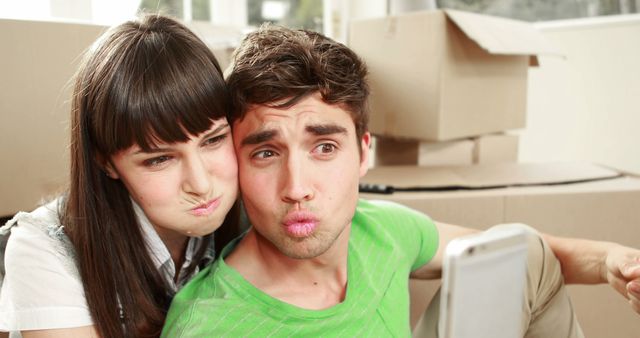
(325, 129)
(259, 137)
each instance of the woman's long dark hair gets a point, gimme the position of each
(142, 82)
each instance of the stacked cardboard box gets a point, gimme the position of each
(484, 149)
(439, 78)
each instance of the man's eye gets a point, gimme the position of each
(262, 154)
(325, 148)
(156, 161)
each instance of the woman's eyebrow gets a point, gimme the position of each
(165, 149)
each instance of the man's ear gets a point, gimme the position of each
(365, 144)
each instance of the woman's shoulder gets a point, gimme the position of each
(38, 234)
(42, 288)
(43, 219)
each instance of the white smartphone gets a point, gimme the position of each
(483, 285)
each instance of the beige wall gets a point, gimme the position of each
(587, 106)
(37, 61)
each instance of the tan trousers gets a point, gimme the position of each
(547, 311)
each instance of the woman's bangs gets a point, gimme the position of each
(171, 122)
(178, 96)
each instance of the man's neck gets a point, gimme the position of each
(315, 283)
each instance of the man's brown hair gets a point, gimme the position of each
(277, 67)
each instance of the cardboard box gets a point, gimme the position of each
(38, 61)
(496, 148)
(485, 149)
(409, 152)
(565, 199)
(445, 74)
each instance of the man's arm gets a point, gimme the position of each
(593, 262)
(583, 261)
(446, 233)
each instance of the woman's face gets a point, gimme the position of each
(184, 188)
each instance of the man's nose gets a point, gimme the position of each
(296, 179)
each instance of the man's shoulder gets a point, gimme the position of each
(201, 304)
(390, 221)
(382, 210)
(203, 285)
(213, 305)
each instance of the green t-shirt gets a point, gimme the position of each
(387, 242)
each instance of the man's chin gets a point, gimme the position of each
(303, 248)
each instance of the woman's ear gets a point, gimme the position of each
(111, 171)
(107, 167)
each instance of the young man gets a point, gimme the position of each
(318, 261)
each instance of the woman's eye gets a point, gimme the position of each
(214, 140)
(156, 161)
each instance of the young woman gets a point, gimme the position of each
(153, 174)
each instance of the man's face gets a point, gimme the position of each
(299, 170)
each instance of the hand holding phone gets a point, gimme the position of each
(483, 285)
